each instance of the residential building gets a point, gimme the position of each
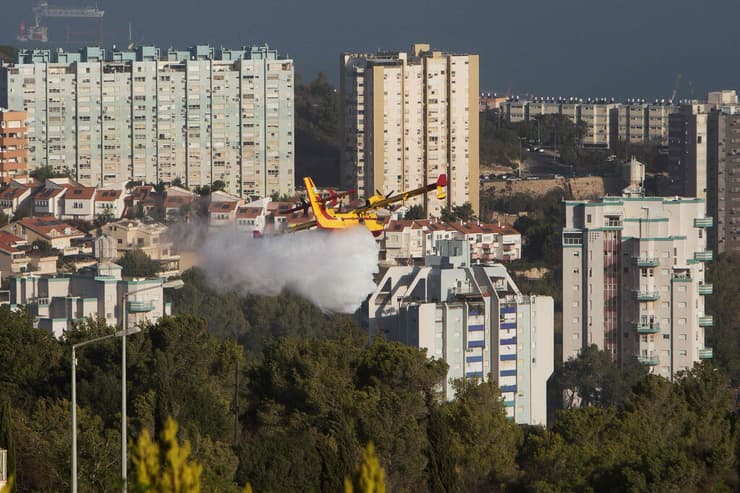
(598, 118)
(13, 145)
(58, 302)
(199, 115)
(406, 118)
(410, 241)
(13, 259)
(631, 122)
(633, 279)
(15, 197)
(658, 119)
(476, 319)
(51, 230)
(252, 218)
(222, 210)
(176, 203)
(703, 151)
(150, 238)
(109, 203)
(79, 203)
(606, 121)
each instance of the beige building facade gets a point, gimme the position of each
(406, 119)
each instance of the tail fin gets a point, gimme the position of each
(312, 192)
(441, 187)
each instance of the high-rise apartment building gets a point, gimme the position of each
(199, 115)
(705, 154)
(13, 145)
(406, 119)
(605, 122)
(474, 318)
(633, 279)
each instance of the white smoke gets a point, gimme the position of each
(334, 270)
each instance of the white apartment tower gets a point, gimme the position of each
(199, 115)
(474, 318)
(633, 279)
(406, 119)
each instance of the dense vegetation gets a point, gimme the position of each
(136, 263)
(292, 406)
(317, 131)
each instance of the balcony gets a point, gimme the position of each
(704, 256)
(706, 289)
(706, 321)
(646, 295)
(706, 353)
(703, 222)
(646, 261)
(139, 306)
(646, 328)
(649, 360)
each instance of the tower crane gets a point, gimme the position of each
(42, 10)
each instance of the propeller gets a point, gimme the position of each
(303, 206)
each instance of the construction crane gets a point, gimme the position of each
(42, 10)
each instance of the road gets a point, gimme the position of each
(543, 163)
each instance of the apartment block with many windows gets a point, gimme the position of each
(13, 145)
(633, 280)
(406, 118)
(199, 115)
(474, 317)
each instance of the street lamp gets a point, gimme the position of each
(120, 333)
(176, 284)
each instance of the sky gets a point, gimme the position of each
(586, 48)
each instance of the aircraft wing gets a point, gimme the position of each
(403, 196)
(302, 226)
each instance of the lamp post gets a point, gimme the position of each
(176, 284)
(120, 333)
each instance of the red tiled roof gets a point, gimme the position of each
(48, 193)
(107, 195)
(12, 192)
(9, 241)
(176, 201)
(44, 226)
(80, 193)
(222, 206)
(249, 212)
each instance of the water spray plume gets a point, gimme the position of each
(333, 270)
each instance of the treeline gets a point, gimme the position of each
(295, 412)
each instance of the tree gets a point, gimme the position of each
(43, 248)
(43, 173)
(722, 303)
(167, 468)
(484, 441)
(463, 213)
(136, 263)
(218, 185)
(369, 477)
(415, 212)
(592, 378)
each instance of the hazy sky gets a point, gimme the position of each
(628, 48)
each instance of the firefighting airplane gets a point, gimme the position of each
(328, 218)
